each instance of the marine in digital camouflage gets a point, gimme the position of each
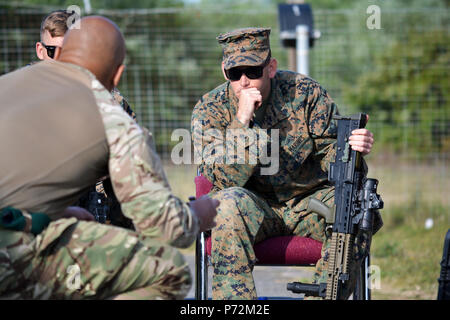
(249, 47)
(87, 260)
(254, 206)
(305, 146)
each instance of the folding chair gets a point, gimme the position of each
(277, 251)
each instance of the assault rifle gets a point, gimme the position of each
(356, 204)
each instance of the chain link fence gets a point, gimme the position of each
(398, 73)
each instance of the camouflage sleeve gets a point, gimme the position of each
(123, 103)
(322, 128)
(138, 178)
(228, 150)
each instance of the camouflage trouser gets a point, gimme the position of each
(74, 259)
(244, 219)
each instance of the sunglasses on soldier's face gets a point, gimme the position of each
(255, 72)
(50, 50)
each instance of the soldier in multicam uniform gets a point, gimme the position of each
(49, 250)
(100, 197)
(255, 206)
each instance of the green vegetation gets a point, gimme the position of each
(408, 254)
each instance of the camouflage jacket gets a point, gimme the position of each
(302, 112)
(115, 215)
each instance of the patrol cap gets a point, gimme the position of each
(245, 47)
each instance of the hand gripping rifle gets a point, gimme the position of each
(356, 201)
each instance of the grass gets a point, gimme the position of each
(408, 254)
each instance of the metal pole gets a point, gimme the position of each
(302, 47)
(201, 268)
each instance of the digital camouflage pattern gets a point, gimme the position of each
(268, 205)
(79, 259)
(300, 109)
(116, 216)
(245, 218)
(254, 206)
(245, 47)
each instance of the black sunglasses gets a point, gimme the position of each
(50, 50)
(255, 72)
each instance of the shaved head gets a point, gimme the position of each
(98, 45)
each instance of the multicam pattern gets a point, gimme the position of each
(116, 216)
(123, 103)
(361, 247)
(79, 259)
(270, 204)
(138, 178)
(245, 47)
